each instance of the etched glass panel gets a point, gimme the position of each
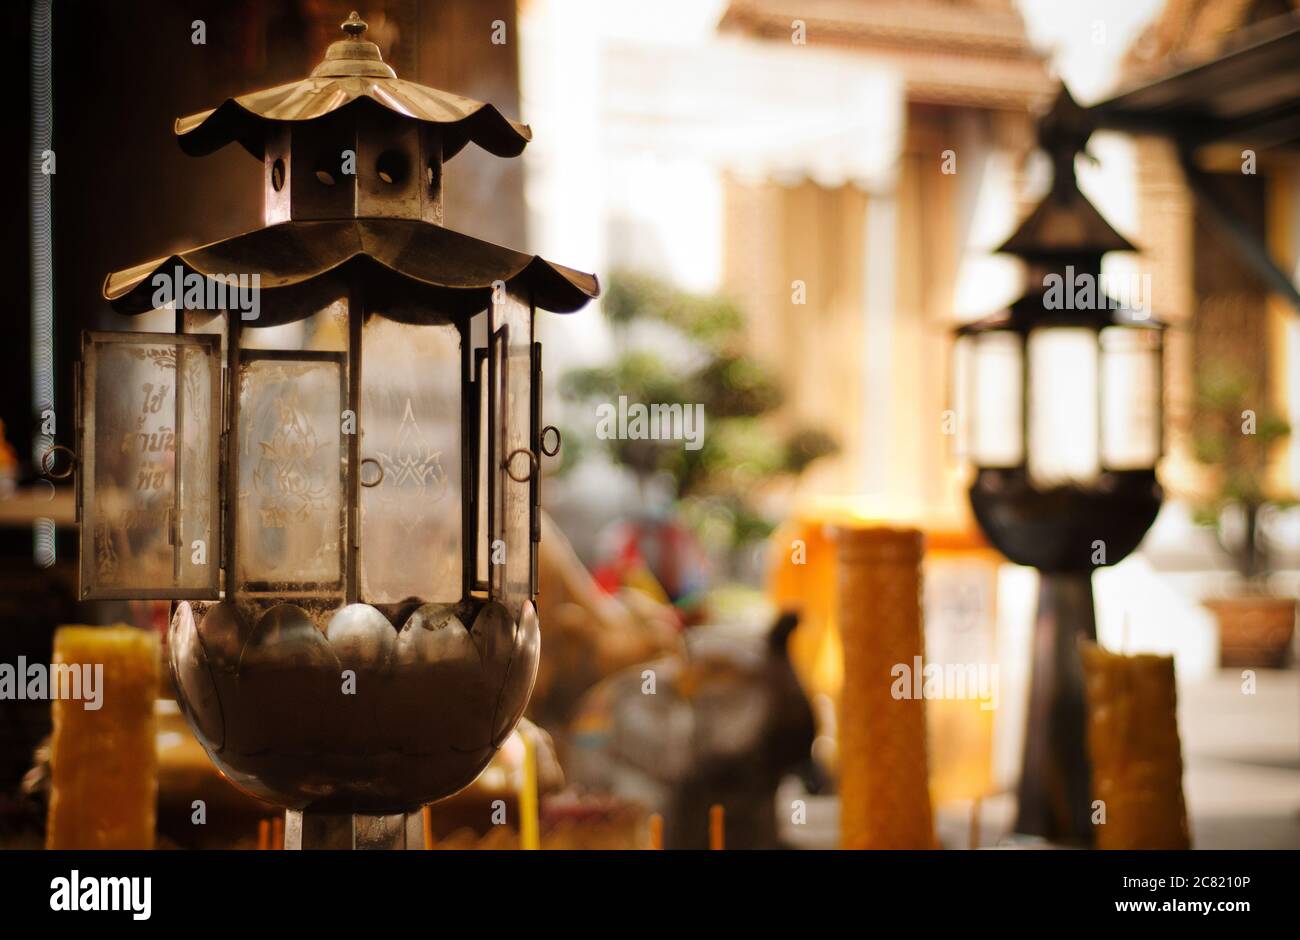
(411, 529)
(290, 465)
(512, 520)
(150, 526)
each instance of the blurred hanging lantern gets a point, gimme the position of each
(1060, 400)
(335, 472)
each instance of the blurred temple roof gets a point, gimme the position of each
(1191, 32)
(951, 52)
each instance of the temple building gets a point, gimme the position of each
(889, 268)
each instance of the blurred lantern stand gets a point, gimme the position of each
(1060, 402)
(337, 474)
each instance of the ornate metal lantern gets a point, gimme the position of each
(1062, 421)
(335, 471)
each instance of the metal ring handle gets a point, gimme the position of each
(532, 464)
(379, 479)
(47, 464)
(559, 440)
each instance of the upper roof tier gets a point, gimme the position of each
(352, 72)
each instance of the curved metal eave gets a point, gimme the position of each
(294, 253)
(1064, 225)
(245, 118)
(1028, 313)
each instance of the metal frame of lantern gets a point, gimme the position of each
(441, 680)
(1051, 521)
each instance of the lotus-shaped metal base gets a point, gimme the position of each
(345, 712)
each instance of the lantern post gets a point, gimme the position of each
(1061, 407)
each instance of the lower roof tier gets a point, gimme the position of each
(456, 268)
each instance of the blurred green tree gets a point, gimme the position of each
(673, 346)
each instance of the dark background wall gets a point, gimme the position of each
(123, 193)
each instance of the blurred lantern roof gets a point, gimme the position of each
(352, 74)
(1065, 224)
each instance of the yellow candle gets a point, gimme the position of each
(884, 782)
(529, 829)
(103, 754)
(1137, 764)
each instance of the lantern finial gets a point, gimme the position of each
(354, 25)
(354, 55)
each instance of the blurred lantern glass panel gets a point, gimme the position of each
(1130, 398)
(290, 464)
(1063, 405)
(512, 324)
(411, 544)
(996, 400)
(150, 527)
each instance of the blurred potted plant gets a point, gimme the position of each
(1234, 442)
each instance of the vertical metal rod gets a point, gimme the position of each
(356, 314)
(178, 462)
(42, 225)
(230, 456)
(535, 442)
(468, 389)
(481, 485)
(174, 527)
(497, 343)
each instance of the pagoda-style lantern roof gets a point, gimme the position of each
(1065, 225)
(352, 75)
(353, 160)
(1064, 231)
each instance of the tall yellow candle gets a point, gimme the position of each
(1137, 764)
(884, 785)
(529, 828)
(103, 754)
